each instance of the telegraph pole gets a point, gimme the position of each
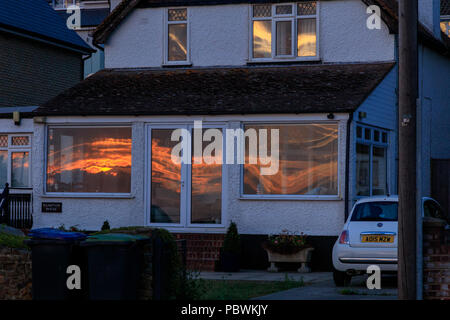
(408, 95)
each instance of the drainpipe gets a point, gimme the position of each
(347, 165)
(421, 162)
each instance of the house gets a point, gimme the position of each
(39, 59)
(445, 16)
(275, 115)
(92, 13)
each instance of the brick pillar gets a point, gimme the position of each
(436, 244)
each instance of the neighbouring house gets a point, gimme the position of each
(445, 16)
(92, 13)
(309, 74)
(39, 59)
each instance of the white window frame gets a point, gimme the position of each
(371, 143)
(166, 24)
(47, 194)
(284, 17)
(65, 6)
(11, 149)
(335, 197)
(186, 180)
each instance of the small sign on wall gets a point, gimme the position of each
(52, 207)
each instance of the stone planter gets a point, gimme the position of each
(303, 257)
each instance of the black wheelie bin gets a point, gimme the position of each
(52, 252)
(114, 264)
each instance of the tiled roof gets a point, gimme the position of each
(36, 18)
(206, 91)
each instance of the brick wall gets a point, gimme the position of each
(436, 251)
(32, 72)
(15, 274)
(203, 250)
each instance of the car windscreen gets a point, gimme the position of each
(376, 211)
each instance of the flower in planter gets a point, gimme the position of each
(286, 243)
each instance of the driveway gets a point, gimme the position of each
(324, 289)
(318, 285)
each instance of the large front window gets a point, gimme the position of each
(284, 30)
(89, 160)
(371, 161)
(308, 161)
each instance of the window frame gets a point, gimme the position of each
(274, 18)
(337, 196)
(166, 22)
(186, 177)
(47, 194)
(371, 143)
(66, 6)
(11, 149)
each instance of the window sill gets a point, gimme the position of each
(290, 198)
(313, 60)
(88, 195)
(177, 65)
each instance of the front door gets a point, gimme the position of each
(185, 190)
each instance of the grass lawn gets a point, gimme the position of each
(244, 290)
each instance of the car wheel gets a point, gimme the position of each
(341, 279)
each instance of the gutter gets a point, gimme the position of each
(347, 165)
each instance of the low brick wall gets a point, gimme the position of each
(436, 252)
(15, 274)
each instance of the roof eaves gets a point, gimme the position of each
(39, 37)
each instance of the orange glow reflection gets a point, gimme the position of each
(89, 160)
(307, 164)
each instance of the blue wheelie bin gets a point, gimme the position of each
(52, 252)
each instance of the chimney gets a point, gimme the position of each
(430, 15)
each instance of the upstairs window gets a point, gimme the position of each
(445, 26)
(177, 49)
(64, 4)
(285, 31)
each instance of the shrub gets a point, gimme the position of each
(232, 241)
(12, 241)
(106, 226)
(286, 243)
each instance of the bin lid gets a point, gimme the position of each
(115, 237)
(56, 234)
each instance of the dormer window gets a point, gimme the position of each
(177, 45)
(284, 31)
(64, 4)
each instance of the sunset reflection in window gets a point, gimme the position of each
(89, 160)
(166, 179)
(307, 165)
(206, 189)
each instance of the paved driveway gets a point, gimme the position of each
(326, 290)
(318, 286)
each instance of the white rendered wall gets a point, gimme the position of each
(219, 35)
(8, 126)
(314, 217)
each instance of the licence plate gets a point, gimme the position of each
(379, 238)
